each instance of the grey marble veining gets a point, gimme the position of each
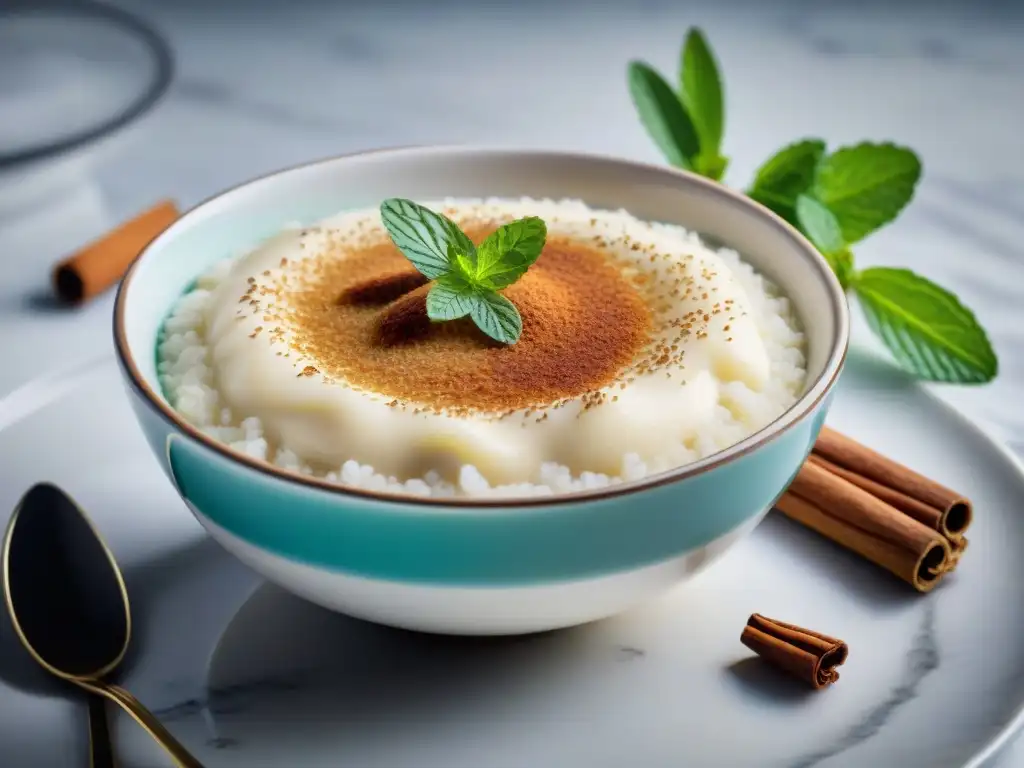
(922, 659)
(262, 85)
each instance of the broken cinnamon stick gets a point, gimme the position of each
(853, 518)
(803, 653)
(927, 501)
(102, 263)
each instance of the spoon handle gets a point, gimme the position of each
(101, 754)
(148, 721)
(156, 729)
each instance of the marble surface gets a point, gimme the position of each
(249, 676)
(261, 85)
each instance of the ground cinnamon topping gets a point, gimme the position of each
(383, 288)
(584, 323)
(405, 320)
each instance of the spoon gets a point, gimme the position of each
(69, 605)
(101, 752)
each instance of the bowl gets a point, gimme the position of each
(471, 566)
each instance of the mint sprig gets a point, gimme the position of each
(866, 186)
(687, 126)
(466, 278)
(497, 317)
(835, 200)
(506, 254)
(449, 298)
(663, 116)
(925, 326)
(822, 228)
(700, 90)
(426, 238)
(786, 175)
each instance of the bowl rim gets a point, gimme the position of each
(157, 48)
(792, 416)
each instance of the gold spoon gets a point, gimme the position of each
(68, 603)
(101, 751)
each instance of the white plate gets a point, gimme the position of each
(250, 677)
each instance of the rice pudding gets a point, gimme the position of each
(641, 349)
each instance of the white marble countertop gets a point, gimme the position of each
(261, 85)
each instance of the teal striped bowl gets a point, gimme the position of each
(470, 566)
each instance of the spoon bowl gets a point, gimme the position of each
(68, 603)
(64, 592)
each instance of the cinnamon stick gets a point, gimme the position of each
(102, 263)
(957, 547)
(927, 501)
(853, 518)
(803, 653)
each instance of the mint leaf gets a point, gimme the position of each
(423, 236)
(663, 116)
(787, 174)
(497, 317)
(701, 94)
(461, 263)
(507, 253)
(841, 263)
(819, 224)
(450, 298)
(926, 328)
(821, 227)
(866, 186)
(712, 166)
(466, 279)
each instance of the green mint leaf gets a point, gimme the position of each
(786, 175)
(866, 186)
(842, 264)
(462, 263)
(701, 93)
(497, 317)
(466, 279)
(819, 224)
(663, 116)
(424, 237)
(712, 166)
(450, 298)
(821, 227)
(507, 253)
(926, 328)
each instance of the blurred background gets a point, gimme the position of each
(106, 107)
(259, 84)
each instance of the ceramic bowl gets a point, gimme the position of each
(471, 566)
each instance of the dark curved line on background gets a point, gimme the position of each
(159, 48)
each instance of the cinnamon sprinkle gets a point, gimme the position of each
(356, 309)
(584, 324)
(383, 288)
